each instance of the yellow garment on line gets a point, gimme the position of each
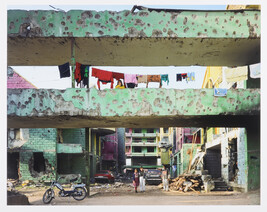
(213, 77)
(120, 86)
(236, 74)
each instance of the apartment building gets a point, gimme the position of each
(142, 147)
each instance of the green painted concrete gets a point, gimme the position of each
(131, 108)
(225, 38)
(69, 148)
(40, 140)
(253, 159)
(79, 23)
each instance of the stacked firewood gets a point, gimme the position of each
(186, 182)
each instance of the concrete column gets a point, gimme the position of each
(242, 175)
(224, 158)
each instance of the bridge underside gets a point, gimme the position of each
(145, 51)
(144, 38)
(62, 121)
(40, 108)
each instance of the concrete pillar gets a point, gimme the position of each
(224, 158)
(242, 175)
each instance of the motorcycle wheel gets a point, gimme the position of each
(79, 193)
(48, 196)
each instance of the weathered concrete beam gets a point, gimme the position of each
(74, 108)
(144, 38)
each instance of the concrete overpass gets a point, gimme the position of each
(143, 38)
(78, 108)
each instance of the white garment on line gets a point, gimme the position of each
(236, 74)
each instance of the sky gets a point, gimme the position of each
(48, 77)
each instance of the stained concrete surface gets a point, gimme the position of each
(143, 38)
(132, 108)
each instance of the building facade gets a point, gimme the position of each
(228, 155)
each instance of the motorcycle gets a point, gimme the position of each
(78, 191)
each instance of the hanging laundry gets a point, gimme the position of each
(86, 75)
(153, 78)
(142, 78)
(130, 78)
(103, 76)
(118, 76)
(255, 70)
(184, 75)
(193, 78)
(178, 77)
(77, 73)
(64, 70)
(236, 74)
(220, 91)
(82, 71)
(190, 76)
(131, 85)
(164, 78)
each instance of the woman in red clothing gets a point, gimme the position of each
(135, 180)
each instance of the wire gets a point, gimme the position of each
(57, 8)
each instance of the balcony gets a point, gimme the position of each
(128, 134)
(140, 154)
(144, 143)
(141, 135)
(149, 154)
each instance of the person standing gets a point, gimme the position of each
(165, 178)
(142, 180)
(135, 180)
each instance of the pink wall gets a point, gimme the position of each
(16, 81)
(110, 148)
(180, 137)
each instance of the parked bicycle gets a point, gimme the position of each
(78, 191)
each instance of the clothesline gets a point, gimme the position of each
(81, 75)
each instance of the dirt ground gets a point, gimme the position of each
(123, 194)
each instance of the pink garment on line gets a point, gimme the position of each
(130, 78)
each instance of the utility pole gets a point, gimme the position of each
(72, 62)
(87, 158)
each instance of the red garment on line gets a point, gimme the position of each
(118, 76)
(77, 73)
(102, 75)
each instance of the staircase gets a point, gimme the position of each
(220, 185)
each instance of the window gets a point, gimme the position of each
(150, 130)
(138, 130)
(150, 140)
(136, 140)
(150, 149)
(165, 130)
(137, 149)
(38, 162)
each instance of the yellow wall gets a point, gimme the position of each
(238, 7)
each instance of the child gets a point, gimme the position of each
(135, 180)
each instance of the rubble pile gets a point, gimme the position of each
(186, 182)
